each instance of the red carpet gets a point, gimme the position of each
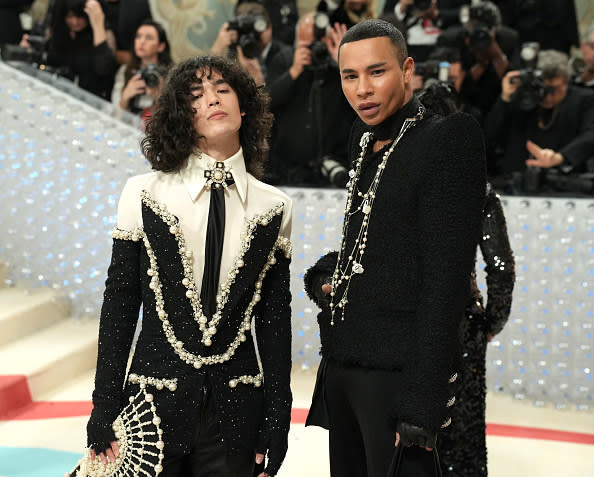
(52, 410)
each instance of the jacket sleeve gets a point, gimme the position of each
(273, 333)
(104, 62)
(317, 275)
(450, 204)
(581, 147)
(500, 266)
(119, 315)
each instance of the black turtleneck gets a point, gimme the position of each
(390, 127)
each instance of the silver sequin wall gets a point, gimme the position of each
(63, 164)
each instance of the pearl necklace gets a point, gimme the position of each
(353, 265)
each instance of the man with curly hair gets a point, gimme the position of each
(204, 247)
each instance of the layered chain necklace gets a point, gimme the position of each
(353, 265)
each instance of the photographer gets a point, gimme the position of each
(81, 43)
(138, 85)
(248, 37)
(557, 131)
(312, 116)
(347, 12)
(487, 49)
(421, 19)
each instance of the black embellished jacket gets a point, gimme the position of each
(153, 261)
(404, 311)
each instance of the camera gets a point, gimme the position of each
(531, 89)
(333, 170)
(536, 179)
(478, 20)
(36, 54)
(433, 69)
(422, 4)
(320, 56)
(249, 28)
(151, 75)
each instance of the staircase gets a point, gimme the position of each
(42, 349)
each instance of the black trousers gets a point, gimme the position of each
(208, 456)
(361, 438)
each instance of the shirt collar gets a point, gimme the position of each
(193, 173)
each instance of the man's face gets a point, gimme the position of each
(588, 52)
(372, 80)
(217, 115)
(558, 92)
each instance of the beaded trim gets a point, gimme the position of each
(134, 235)
(143, 381)
(255, 380)
(138, 432)
(447, 422)
(209, 328)
(353, 259)
(451, 401)
(453, 378)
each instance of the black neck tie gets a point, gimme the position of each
(218, 179)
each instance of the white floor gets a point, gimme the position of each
(307, 455)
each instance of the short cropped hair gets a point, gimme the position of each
(170, 134)
(554, 64)
(376, 29)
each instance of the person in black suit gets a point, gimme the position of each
(411, 226)
(557, 132)
(204, 246)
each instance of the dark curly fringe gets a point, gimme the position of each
(170, 135)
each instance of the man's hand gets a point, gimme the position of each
(110, 454)
(409, 435)
(259, 460)
(542, 157)
(333, 39)
(252, 66)
(301, 58)
(509, 86)
(224, 40)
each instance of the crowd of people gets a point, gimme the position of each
(501, 57)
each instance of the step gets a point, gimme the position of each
(23, 312)
(52, 356)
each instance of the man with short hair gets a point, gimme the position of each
(557, 131)
(204, 246)
(393, 296)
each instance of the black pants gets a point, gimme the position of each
(361, 438)
(208, 456)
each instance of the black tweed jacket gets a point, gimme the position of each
(147, 268)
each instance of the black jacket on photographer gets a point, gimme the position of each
(92, 66)
(484, 92)
(312, 121)
(571, 132)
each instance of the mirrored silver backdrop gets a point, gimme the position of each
(63, 164)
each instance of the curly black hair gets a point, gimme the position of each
(170, 135)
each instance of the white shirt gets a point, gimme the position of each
(185, 195)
